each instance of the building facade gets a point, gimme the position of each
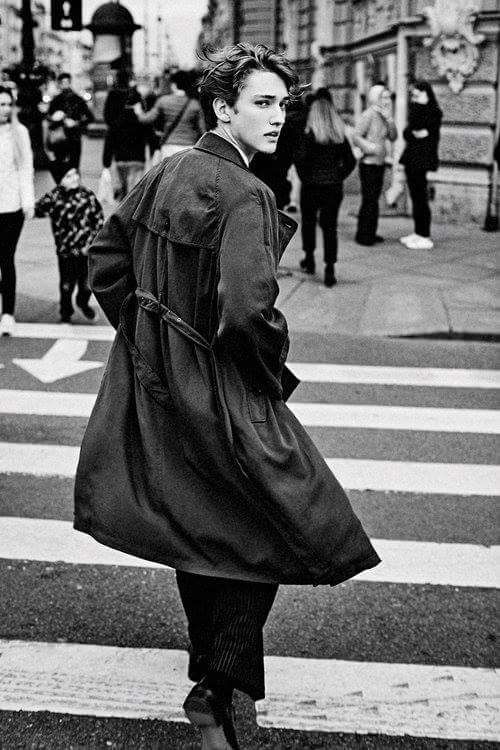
(347, 45)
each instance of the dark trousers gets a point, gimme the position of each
(419, 194)
(372, 181)
(225, 623)
(10, 229)
(325, 200)
(73, 271)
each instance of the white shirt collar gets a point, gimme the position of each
(242, 153)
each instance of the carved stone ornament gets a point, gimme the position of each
(453, 41)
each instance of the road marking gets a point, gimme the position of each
(433, 377)
(420, 418)
(45, 460)
(405, 562)
(484, 421)
(313, 372)
(61, 361)
(324, 695)
(63, 331)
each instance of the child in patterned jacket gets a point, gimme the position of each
(76, 216)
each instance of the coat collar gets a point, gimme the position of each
(215, 144)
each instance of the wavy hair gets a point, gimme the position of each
(227, 69)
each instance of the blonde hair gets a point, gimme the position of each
(325, 123)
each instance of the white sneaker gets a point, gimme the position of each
(408, 238)
(7, 323)
(420, 243)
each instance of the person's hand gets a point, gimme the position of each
(423, 133)
(29, 212)
(69, 122)
(57, 116)
(138, 109)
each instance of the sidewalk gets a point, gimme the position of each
(385, 290)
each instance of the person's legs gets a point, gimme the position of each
(135, 173)
(329, 209)
(225, 623)
(122, 174)
(67, 281)
(10, 229)
(418, 189)
(309, 210)
(75, 152)
(372, 179)
(82, 280)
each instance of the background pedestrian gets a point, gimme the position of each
(68, 117)
(76, 216)
(419, 157)
(323, 159)
(180, 113)
(374, 128)
(125, 143)
(17, 199)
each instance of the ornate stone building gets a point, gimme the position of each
(348, 45)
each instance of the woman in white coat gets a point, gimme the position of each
(17, 199)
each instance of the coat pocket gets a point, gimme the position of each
(257, 406)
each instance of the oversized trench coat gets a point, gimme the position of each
(191, 457)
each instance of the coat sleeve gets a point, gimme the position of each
(111, 274)
(251, 329)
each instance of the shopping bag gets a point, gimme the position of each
(105, 187)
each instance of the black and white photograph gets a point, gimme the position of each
(249, 374)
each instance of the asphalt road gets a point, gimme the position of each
(366, 621)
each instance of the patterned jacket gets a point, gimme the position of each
(76, 217)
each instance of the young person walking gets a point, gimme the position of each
(374, 128)
(203, 467)
(76, 217)
(324, 159)
(419, 157)
(17, 199)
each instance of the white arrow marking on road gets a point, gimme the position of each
(61, 361)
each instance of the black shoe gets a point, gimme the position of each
(65, 318)
(378, 238)
(87, 311)
(364, 241)
(207, 709)
(330, 279)
(307, 264)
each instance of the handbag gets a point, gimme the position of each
(170, 128)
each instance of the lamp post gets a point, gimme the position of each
(27, 42)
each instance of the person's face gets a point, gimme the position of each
(71, 180)
(419, 97)
(65, 84)
(385, 99)
(5, 108)
(256, 119)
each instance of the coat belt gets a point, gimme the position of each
(149, 302)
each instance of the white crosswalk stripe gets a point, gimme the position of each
(45, 460)
(421, 700)
(359, 416)
(361, 697)
(402, 561)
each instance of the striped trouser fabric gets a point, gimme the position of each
(225, 622)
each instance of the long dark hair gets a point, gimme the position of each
(424, 86)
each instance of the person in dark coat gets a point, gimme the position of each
(419, 157)
(323, 160)
(71, 111)
(125, 143)
(191, 457)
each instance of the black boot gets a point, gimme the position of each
(208, 709)
(307, 264)
(330, 279)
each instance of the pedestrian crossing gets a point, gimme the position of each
(444, 694)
